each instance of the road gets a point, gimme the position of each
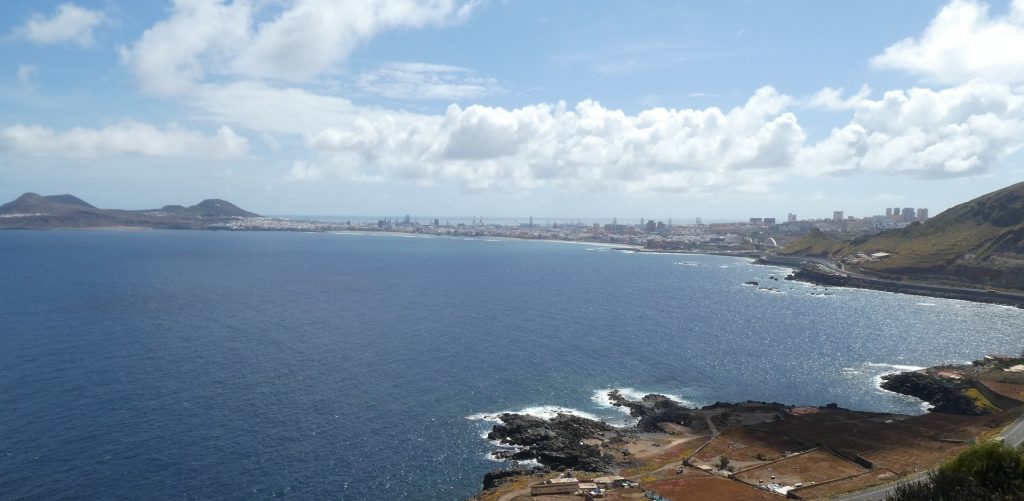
(1013, 436)
(829, 267)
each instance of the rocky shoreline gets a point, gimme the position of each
(672, 444)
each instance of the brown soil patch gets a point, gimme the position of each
(815, 466)
(901, 445)
(709, 488)
(851, 484)
(1014, 391)
(747, 447)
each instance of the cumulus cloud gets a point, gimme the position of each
(960, 131)
(422, 81)
(832, 99)
(70, 23)
(258, 40)
(961, 43)
(124, 138)
(957, 132)
(684, 150)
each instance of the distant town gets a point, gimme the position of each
(758, 233)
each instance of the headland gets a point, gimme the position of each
(758, 450)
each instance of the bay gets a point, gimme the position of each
(222, 365)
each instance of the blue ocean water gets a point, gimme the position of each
(218, 365)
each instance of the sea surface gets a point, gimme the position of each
(223, 365)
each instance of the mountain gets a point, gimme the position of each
(68, 211)
(33, 203)
(977, 242)
(215, 207)
(69, 200)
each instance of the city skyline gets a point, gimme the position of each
(507, 109)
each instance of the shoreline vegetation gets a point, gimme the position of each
(757, 450)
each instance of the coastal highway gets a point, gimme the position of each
(1013, 436)
(862, 280)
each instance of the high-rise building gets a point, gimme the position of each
(909, 213)
(791, 218)
(755, 220)
(896, 212)
(888, 212)
(769, 220)
(922, 214)
(700, 221)
(837, 216)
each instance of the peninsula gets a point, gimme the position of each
(758, 450)
(32, 211)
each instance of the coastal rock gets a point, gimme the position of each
(556, 443)
(495, 478)
(652, 409)
(943, 397)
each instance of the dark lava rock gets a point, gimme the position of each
(555, 442)
(653, 409)
(942, 396)
(495, 478)
(752, 282)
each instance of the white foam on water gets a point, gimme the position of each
(529, 463)
(926, 304)
(601, 398)
(540, 411)
(895, 367)
(688, 263)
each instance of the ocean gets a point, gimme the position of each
(245, 365)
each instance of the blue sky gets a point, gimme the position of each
(513, 108)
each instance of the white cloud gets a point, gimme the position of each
(421, 81)
(265, 108)
(964, 42)
(832, 99)
(487, 147)
(260, 40)
(955, 132)
(70, 23)
(25, 74)
(124, 138)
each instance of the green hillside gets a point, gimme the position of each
(815, 243)
(978, 242)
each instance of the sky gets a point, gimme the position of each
(656, 109)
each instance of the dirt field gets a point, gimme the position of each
(747, 447)
(831, 489)
(709, 488)
(901, 445)
(1014, 391)
(815, 466)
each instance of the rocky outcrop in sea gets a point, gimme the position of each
(944, 397)
(556, 443)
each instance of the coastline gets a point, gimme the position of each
(729, 450)
(805, 269)
(815, 271)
